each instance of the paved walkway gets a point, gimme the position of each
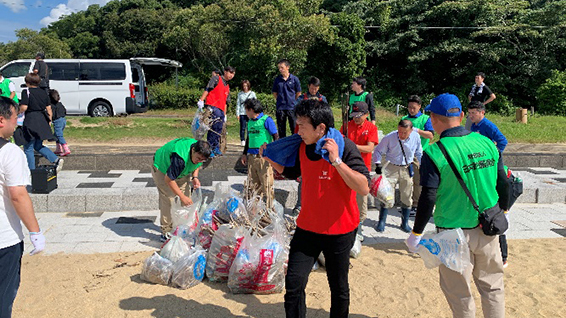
(102, 232)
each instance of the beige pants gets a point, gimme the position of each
(166, 196)
(362, 201)
(400, 175)
(260, 178)
(416, 183)
(487, 271)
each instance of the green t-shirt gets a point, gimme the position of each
(180, 146)
(476, 158)
(354, 98)
(5, 88)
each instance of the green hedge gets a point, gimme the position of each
(167, 96)
(551, 95)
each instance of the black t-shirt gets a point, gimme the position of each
(481, 97)
(36, 99)
(351, 157)
(41, 68)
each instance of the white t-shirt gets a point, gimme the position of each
(14, 171)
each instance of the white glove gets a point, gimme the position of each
(412, 242)
(38, 241)
(200, 104)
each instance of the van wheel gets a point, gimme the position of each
(100, 109)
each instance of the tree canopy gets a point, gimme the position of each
(402, 47)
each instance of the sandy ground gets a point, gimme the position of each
(385, 282)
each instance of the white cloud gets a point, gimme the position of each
(72, 6)
(14, 5)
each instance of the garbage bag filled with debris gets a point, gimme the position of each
(200, 125)
(260, 265)
(157, 270)
(188, 271)
(174, 249)
(187, 215)
(225, 245)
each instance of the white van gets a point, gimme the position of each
(94, 87)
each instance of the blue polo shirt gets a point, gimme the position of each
(269, 125)
(286, 91)
(427, 125)
(488, 129)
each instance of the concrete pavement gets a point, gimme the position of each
(103, 232)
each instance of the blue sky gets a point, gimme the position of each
(35, 14)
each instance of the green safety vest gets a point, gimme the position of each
(354, 98)
(419, 123)
(475, 157)
(5, 87)
(180, 146)
(257, 133)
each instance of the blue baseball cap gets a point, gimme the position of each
(442, 103)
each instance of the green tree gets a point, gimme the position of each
(30, 42)
(552, 94)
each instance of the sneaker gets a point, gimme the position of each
(59, 165)
(296, 211)
(243, 143)
(163, 238)
(216, 152)
(413, 212)
(505, 264)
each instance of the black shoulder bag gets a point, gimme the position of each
(493, 220)
(410, 165)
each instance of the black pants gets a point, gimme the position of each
(282, 117)
(305, 248)
(503, 245)
(10, 265)
(243, 126)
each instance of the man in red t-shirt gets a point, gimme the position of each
(364, 134)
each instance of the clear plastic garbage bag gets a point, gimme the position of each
(356, 249)
(187, 215)
(188, 271)
(199, 128)
(157, 270)
(174, 249)
(382, 189)
(447, 247)
(260, 265)
(225, 245)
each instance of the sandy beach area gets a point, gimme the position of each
(385, 282)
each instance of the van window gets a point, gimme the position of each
(19, 69)
(135, 75)
(63, 71)
(103, 71)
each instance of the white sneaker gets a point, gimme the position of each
(243, 143)
(59, 165)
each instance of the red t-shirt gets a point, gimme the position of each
(361, 135)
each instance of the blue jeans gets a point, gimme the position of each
(11, 264)
(243, 126)
(58, 127)
(213, 136)
(39, 147)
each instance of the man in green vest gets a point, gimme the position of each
(175, 165)
(261, 130)
(7, 88)
(360, 95)
(478, 162)
(423, 126)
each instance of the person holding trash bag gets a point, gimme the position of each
(400, 147)
(15, 207)
(333, 171)
(175, 165)
(477, 162)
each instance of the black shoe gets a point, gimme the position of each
(413, 212)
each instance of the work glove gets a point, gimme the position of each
(38, 241)
(378, 168)
(412, 242)
(200, 104)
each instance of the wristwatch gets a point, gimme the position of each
(337, 162)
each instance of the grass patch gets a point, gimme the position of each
(170, 124)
